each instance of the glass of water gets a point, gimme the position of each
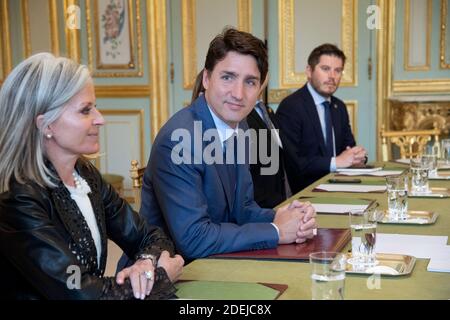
(327, 275)
(397, 193)
(431, 158)
(363, 225)
(420, 168)
(445, 149)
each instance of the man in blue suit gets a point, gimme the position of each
(208, 207)
(315, 125)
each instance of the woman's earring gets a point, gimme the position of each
(48, 135)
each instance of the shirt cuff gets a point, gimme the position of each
(276, 228)
(333, 164)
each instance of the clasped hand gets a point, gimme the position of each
(296, 222)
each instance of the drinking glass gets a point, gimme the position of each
(420, 168)
(363, 225)
(327, 275)
(397, 193)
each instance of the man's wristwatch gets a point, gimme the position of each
(151, 257)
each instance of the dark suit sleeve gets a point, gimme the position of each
(300, 145)
(179, 190)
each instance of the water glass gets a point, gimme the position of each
(420, 167)
(445, 143)
(363, 225)
(431, 159)
(397, 192)
(327, 275)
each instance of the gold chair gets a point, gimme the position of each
(410, 143)
(136, 174)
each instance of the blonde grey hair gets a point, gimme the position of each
(40, 85)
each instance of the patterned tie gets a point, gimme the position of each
(329, 129)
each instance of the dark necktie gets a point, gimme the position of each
(230, 159)
(329, 129)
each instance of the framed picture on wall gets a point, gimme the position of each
(114, 30)
(113, 36)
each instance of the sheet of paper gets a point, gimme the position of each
(380, 173)
(338, 208)
(440, 261)
(404, 161)
(422, 247)
(359, 169)
(441, 164)
(343, 187)
(441, 175)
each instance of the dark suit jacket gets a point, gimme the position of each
(300, 128)
(269, 189)
(194, 201)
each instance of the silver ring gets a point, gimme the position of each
(148, 275)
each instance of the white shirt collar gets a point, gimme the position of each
(223, 129)
(318, 99)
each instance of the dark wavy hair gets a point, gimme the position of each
(238, 41)
(325, 49)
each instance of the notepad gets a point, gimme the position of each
(379, 173)
(342, 187)
(419, 246)
(440, 260)
(228, 290)
(365, 170)
(337, 208)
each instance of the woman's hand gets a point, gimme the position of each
(173, 266)
(142, 277)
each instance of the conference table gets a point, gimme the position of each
(419, 284)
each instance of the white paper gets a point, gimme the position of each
(404, 161)
(436, 176)
(422, 247)
(441, 164)
(359, 169)
(380, 173)
(343, 187)
(338, 208)
(440, 261)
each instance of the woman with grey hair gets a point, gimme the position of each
(56, 211)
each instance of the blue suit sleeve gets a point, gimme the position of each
(180, 192)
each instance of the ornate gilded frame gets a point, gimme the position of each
(189, 34)
(5, 50)
(352, 109)
(444, 31)
(407, 34)
(135, 41)
(138, 112)
(54, 30)
(72, 35)
(289, 77)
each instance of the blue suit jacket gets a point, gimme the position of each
(194, 202)
(302, 136)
